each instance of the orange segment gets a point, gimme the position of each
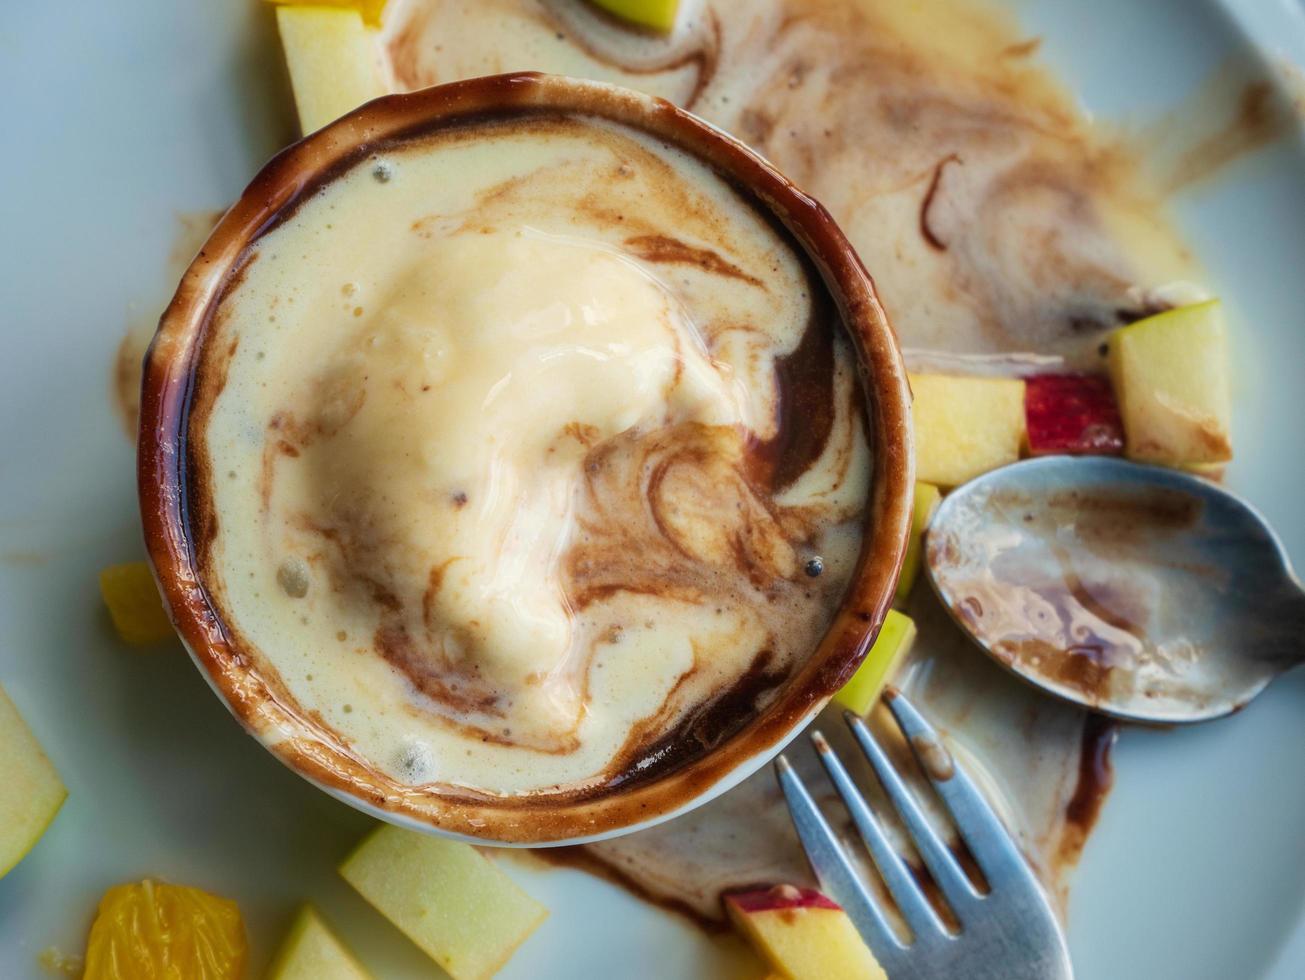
(151, 931)
(134, 604)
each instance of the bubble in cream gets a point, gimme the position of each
(292, 576)
(414, 763)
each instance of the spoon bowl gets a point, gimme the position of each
(1145, 593)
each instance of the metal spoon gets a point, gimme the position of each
(1144, 593)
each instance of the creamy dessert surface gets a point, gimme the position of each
(504, 464)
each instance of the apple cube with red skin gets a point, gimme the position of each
(1074, 414)
(802, 934)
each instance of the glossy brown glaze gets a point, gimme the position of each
(173, 490)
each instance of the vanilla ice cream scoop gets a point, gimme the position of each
(453, 422)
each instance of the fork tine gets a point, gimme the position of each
(984, 834)
(832, 868)
(951, 880)
(915, 908)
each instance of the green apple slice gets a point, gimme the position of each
(656, 14)
(926, 501)
(891, 645)
(332, 60)
(1171, 379)
(447, 897)
(311, 951)
(30, 790)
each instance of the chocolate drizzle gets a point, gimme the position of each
(664, 248)
(926, 232)
(700, 729)
(806, 405)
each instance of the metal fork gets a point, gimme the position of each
(1006, 932)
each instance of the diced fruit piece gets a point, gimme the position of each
(449, 899)
(965, 426)
(1072, 413)
(1171, 377)
(803, 934)
(149, 930)
(332, 61)
(926, 501)
(891, 645)
(311, 951)
(370, 10)
(134, 604)
(657, 14)
(30, 790)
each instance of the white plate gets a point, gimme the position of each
(118, 116)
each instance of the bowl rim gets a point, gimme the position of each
(265, 708)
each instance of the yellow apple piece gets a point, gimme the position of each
(448, 898)
(892, 644)
(803, 935)
(332, 60)
(370, 10)
(1170, 373)
(927, 497)
(134, 604)
(149, 930)
(311, 951)
(30, 790)
(656, 14)
(965, 426)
